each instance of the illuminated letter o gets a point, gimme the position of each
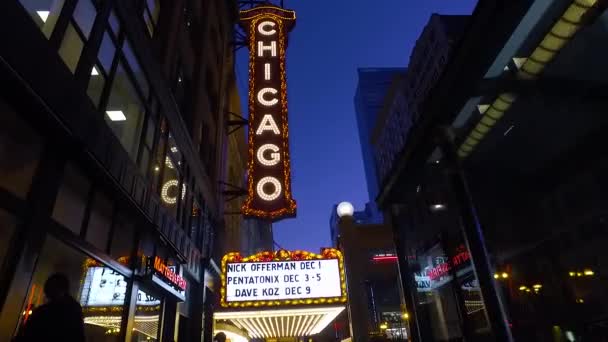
(275, 157)
(265, 32)
(272, 196)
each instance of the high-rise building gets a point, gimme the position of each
(112, 144)
(498, 195)
(406, 92)
(372, 86)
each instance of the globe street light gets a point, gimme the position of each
(345, 209)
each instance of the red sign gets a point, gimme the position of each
(169, 274)
(269, 174)
(445, 267)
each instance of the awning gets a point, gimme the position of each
(282, 322)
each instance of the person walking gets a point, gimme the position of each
(60, 319)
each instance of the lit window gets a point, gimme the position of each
(124, 113)
(84, 16)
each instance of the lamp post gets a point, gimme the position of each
(345, 211)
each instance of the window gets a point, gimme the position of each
(122, 237)
(19, 152)
(114, 24)
(71, 48)
(147, 317)
(124, 113)
(148, 143)
(170, 192)
(84, 16)
(7, 228)
(151, 12)
(107, 50)
(100, 221)
(77, 33)
(159, 155)
(93, 285)
(71, 201)
(96, 84)
(44, 13)
(133, 63)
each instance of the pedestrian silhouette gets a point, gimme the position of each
(60, 319)
(219, 337)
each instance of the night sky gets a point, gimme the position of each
(330, 41)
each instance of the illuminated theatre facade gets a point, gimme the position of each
(281, 294)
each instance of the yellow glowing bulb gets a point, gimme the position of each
(496, 276)
(572, 274)
(589, 272)
(505, 275)
(383, 326)
(522, 288)
(537, 286)
(406, 316)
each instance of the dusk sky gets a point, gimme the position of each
(330, 41)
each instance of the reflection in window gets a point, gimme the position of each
(96, 84)
(71, 200)
(7, 228)
(19, 152)
(99, 289)
(84, 16)
(71, 48)
(147, 317)
(114, 23)
(107, 51)
(102, 298)
(44, 12)
(124, 113)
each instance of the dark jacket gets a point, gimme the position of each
(59, 320)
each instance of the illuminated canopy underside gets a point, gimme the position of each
(282, 322)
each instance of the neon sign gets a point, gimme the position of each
(169, 274)
(269, 174)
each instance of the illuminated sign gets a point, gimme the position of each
(103, 286)
(444, 268)
(169, 273)
(269, 173)
(283, 278)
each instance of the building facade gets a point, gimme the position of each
(497, 194)
(372, 277)
(372, 86)
(113, 142)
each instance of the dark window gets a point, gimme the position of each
(100, 221)
(71, 201)
(122, 237)
(7, 228)
(19, 152)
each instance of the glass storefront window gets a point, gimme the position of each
(124, 113)
(71, 48)
(96, 84)
(100, 221)
(7, 228)
(71, 201)
(44, 12)
(151, 13)
(84, 16)
(99, 289)
(20, 150)
(147, 318)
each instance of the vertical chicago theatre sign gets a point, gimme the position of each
(269, 175)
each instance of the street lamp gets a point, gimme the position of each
(345, 209)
